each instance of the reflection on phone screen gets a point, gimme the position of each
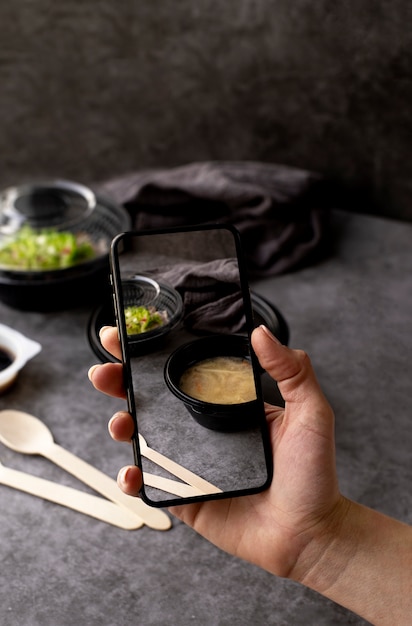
(185, 320)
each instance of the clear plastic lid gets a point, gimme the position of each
(57, 204)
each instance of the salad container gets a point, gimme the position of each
(54, 243)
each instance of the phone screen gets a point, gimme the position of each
(184, 316)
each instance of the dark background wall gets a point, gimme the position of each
(95, 88)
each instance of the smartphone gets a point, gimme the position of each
(193, 382)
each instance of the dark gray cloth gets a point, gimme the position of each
(279, 211)
(211, 294)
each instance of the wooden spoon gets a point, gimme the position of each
(174, 468)
(27, 434)
(96, 507)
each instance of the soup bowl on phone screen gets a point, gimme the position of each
(213, 377)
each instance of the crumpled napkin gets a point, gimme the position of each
(211, 294)
(280, 211)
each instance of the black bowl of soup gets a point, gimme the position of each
(213, 377)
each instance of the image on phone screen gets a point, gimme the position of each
(184, 316)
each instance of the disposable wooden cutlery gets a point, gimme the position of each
(27, 434)
(94, 506)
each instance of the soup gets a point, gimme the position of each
(220, 380)
(6, 359)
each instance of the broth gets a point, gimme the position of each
(220, 380)
(6, 359)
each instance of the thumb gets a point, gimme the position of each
(291, 369)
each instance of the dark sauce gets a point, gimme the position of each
(6, 359)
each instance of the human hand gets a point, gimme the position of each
(274, 528)
(301, 527)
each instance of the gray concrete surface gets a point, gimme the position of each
(352, 313)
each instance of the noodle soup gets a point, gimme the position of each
(220, 380)
(214, 378)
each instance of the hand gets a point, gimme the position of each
(271, 529)
(301, 527)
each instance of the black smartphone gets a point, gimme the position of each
(184, 315)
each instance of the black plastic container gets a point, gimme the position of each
(62, 206)
(222, 417)
(143, 291)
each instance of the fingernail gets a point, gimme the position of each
(91, 371)
(269, 334)
(122, 476)
(103, 330)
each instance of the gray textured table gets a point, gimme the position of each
(352, 313)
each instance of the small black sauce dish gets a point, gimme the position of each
(221, 417)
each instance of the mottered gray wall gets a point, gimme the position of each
(96, 88)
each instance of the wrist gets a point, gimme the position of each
(314, 568)
(362, 560)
